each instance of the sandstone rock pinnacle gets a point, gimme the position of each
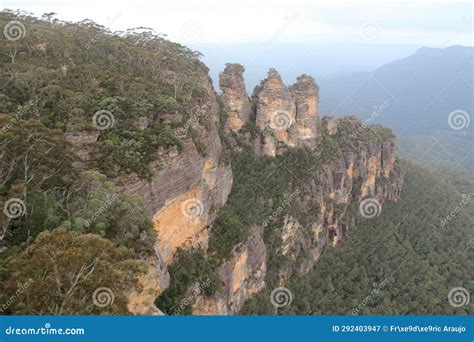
(234, 96)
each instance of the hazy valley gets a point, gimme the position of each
(124, 166)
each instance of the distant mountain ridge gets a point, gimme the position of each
(418, 92)
(316, 59)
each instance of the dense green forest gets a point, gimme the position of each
(66, 224)
(449, 156)
(69, 230)
(61, 73)
(267, 182)
(407, 255)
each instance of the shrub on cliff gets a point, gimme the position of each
(73, 70)
(192, 275)
(63, 274)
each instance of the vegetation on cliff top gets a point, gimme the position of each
(52, 82)
(78, 232)
(69, 71)
(407, 254)
(261, 184)
(59, 273)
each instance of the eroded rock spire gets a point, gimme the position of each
(234, 96)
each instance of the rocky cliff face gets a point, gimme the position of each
(183, 196)
(187, 188)
(337, 192)
(331, 199)
(286, 115)
(234, 96)
(242, 275)
(331, 202)
(83, 143)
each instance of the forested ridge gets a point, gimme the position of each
(403, 262)
(52, 81)
(69, 229)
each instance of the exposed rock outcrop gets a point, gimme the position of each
(234, 96)
(187, 188)
(286, 115)
(275, 112)
(83, 144)
(330, 201)
(305, 93)
(152, 283)
(337, 192)
(243, 275)
(183, 196)
(331, 124)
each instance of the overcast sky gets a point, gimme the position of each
(420, 22)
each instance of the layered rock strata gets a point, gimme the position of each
(234, 96)
(187, 189)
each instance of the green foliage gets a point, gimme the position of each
(36, 165)
(129, 151)
(125, 151)
(200, 147)
(73, 70)
(53, 81)
(406, 248)
(100, 207)
(447, 155)
(36, 168)
(250, 127)
(190, 268)
(222, 119)
(351, 132)
(60, 272)
(252, 184)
